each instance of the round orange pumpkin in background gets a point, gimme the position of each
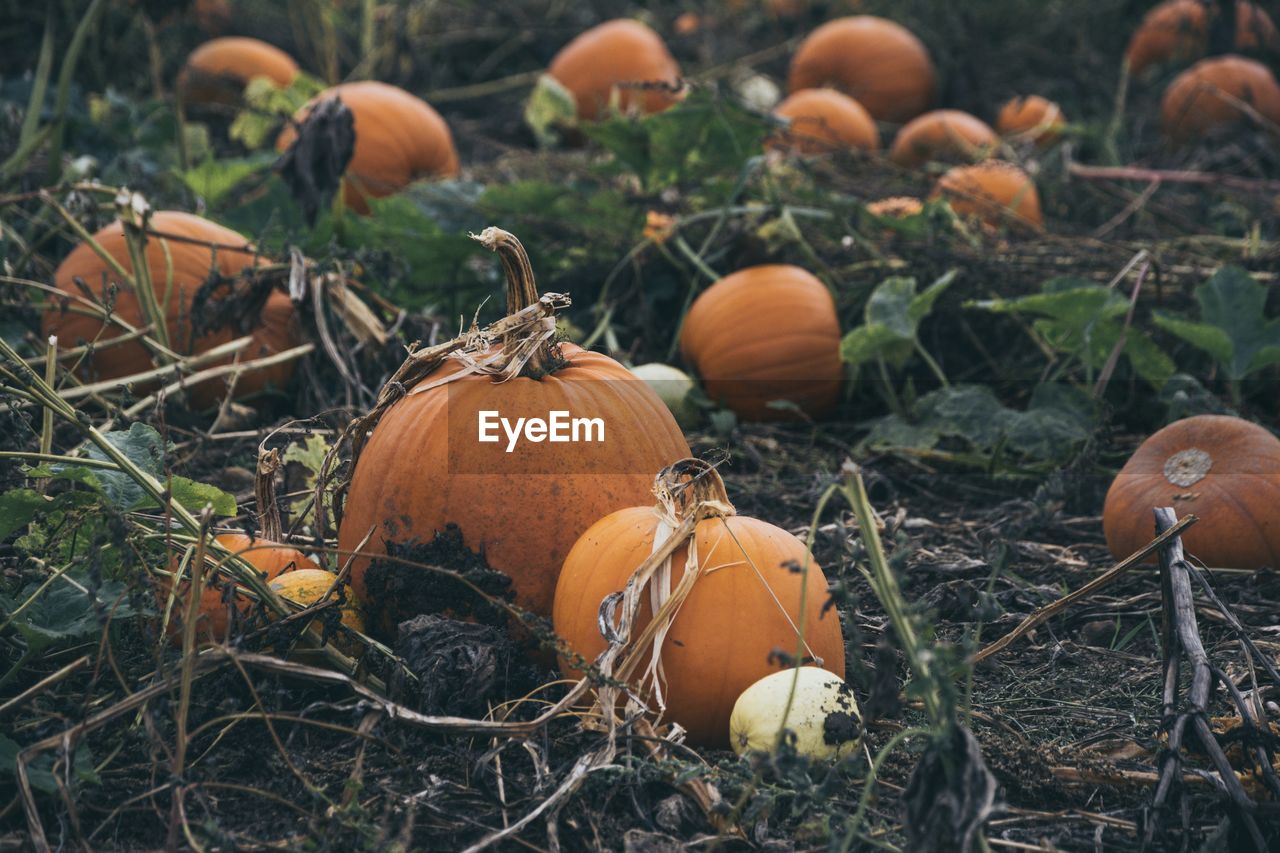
(1224, 470)
(880, 64)
(181, 267)
(1031, 118)
(822, 120)
(621, 59)
(766, 334)
(745, 606)
(945, 136)
(217, 71)
(1177, 31)
(995, 192)
(1209, 94)
(399, 139)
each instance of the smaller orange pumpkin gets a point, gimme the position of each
(822, 120)
(1224, 470)
(1032, 119)
(306, 586)
(743, 608)
(1209, 94)
(1177, 31)
(399, 139)
(996, 192)
(946, 136)
(217, 71)
(269, 558)
(765, 335)
(879, 63)
(622, 60)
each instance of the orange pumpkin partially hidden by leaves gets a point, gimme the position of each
(764, 337)
(183, 267)
(823, 120)
(995, 192)
(945, 136)
(875, 61)
(620, 59)
(399, 139)
(217, 71)
(1223, 470)
(745, 606)
(1032, 118)
(269, 558)
(1209, 95)
(1177, 30)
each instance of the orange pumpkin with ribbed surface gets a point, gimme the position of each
(880, 64)
(946, 136)
(606, 61)
(765, 334)
(217, 71)
(183, 267)
(744, 606)
(1208, 95)
(823, 120)
(1177, 30)
(524, 504)
(1031, 118)
(399, 139)
(269, 558)
(996, 192)
(1224, 470)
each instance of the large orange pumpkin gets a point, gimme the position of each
(947, 136)
(822, 120)
(399, 139)
(184, 266)
(1177, 31)
(1223, 470)
(1207, 96)
(996, 192)
(622, 59)
(1031, 118)
(877, 62)
(424, 467)
(764, 334)
(744, 607)
(269, 558)
(218, 70)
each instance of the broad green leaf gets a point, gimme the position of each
(213, 179)
(1234, 328)
(144, 448)
(19, 507)
(551, 106)
(69, 610)
(194, 496)
(892, 320)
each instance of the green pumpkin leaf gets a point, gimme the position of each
(892, 319)
(1233, 326)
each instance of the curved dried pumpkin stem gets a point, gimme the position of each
(685, 485)
(522, 288)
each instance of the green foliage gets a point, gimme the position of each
(213, 179)
(145, 448)
(268, 105)
(19, 507)
(1056, 423)
(892, 320)
(1085, 320)
(310, 454)
(703, 135)
(67, 611)
(551, 106)
(1233, 328)
(40, 771)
